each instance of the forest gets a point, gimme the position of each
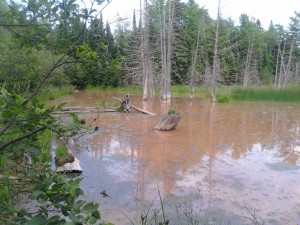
(58, 46)
(165, 44)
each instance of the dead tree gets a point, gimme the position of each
(288, 66)
(248, 63)
(145, 54)
(193, 67)
(166, 36)
(216, 62)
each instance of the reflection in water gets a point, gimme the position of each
(234, 153)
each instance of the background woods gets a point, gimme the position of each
(167, 42)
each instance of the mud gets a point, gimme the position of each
(221, 161)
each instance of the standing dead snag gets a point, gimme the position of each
(169, 121)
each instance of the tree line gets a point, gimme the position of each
(167, 42)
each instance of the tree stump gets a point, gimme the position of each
(168, 122)
(125, 104)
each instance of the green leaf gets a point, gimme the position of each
(94, 55)
(90, 207)
(74, 117)
(4, 92)
(37, 194)
(96, 214)
(74, 218)
(37, 220)
(21, 213)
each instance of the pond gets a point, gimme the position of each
(224, 163)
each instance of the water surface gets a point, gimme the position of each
(221, 158)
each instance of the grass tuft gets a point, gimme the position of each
(222, 99)
(61, 152)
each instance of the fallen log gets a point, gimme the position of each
(168, 122)
(137, 108)
(83, 110)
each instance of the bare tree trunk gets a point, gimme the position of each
(248, 63)
(162, 45)
(193, 69)
(288, 67)
(166, 50)
(282, 69)
(147, 74)
(277, 62)
(297, 73)
(216, 63)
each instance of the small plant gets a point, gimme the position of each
(173, 111)
(222, 99)
(61, 153)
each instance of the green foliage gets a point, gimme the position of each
(180, 90)
(27, 128)
(173, 111)
(61, 152)
(222, 98)
(51, 92)
(289, 94)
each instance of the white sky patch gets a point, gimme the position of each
(265, 10)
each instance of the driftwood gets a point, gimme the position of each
(168, 122)
(137, 109)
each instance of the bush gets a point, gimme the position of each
(222, 99)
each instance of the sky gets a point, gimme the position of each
(279, 11)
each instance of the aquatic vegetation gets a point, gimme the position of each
(289, 94)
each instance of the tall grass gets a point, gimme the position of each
(180, 90)
(225, 93)
(109, 88)
(50, 92)
(289, 94)
(176, 90)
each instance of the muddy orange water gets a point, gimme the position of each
(223, 163)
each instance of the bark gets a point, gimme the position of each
(137, 108)
(193, 69)
(288, 67)
(216, 62)
(145, 55)
(166, 51)
(168, 122)
(248, 63)
(125, 104)
(281, 69)
(297, 72)
(67, 110)
(277, 62)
